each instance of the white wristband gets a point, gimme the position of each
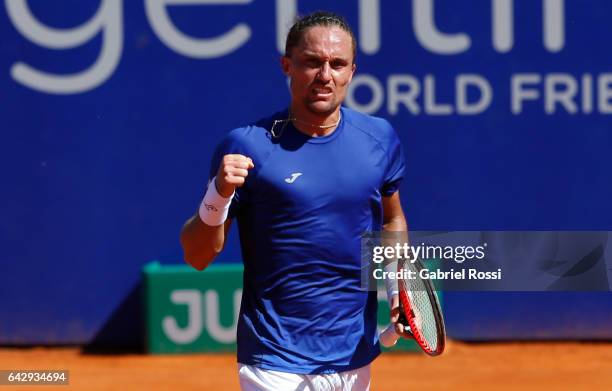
(391, 283)
(214, 207)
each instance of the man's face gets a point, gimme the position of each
(320, 68)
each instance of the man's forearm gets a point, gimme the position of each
(396, 224)
(201, 243)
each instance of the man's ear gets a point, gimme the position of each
(285, 64)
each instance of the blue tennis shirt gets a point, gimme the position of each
(300, 216)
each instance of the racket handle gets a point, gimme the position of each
(388, 337)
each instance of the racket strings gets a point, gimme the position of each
(423, 320)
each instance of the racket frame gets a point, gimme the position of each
(406, 309)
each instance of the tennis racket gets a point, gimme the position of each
(420, 312)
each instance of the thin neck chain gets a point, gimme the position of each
(314, 125)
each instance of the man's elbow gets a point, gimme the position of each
(199, 253)
(200, 260)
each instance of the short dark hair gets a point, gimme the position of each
(318, 18)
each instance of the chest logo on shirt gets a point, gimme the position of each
(293, 177)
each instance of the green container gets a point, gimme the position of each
(188, 311)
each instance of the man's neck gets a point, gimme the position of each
(316, 125)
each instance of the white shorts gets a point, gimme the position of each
(257, 379)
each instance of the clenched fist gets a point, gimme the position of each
(232, 173)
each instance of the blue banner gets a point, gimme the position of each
(111, 109)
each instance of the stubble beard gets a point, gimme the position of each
(312, 108)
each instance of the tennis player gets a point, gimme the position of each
(304, 184)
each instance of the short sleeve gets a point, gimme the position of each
(231, 144)
(394, 172)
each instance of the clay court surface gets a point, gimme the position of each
(487, 366)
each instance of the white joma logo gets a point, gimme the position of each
(293, 177)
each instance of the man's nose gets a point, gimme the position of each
(324, 74)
